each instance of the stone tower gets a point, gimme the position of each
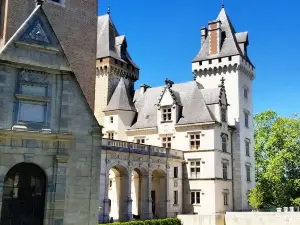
(223, 53)
(113, 62)
(75, 24)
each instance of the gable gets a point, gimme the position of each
(166, 98)
(36, 44)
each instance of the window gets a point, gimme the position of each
(111, 119)
(200, 63)
(116, 61)
(195, 169)
(57, 1)
(224, 143)
(225, 198)
(140, 140)
(167, 114)
(246, 114)
(229, 58)
(210, 61)
(110, 135)
(33, 103)
(245, 92)
(248, 171)
(166, 142)
(223, 115)
(175, 197)
(176, 172)
(195, 141)
(225, 167)
(220, 60)
(247, 147)
(110, 184)
(195, 197)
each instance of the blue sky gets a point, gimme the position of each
(164, 36)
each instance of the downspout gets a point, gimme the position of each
(232, 170)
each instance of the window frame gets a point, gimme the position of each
(110, 135)
(140, 141)
(224, 144)
(166, 142)
(33, 79)
(246, 92)
(166, 114)
(248, 173)
(175, 171)
(225, 198)
(196, 166)
(247, 147)
(193, 139)
(246, 119)
(175, 197)
(225, 170)
(194, 198)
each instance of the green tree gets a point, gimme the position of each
(277, 156)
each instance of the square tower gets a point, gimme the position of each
(75, 24)
(224, 54)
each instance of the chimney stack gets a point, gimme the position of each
(214, 32)
(144, 87)
(203, 35)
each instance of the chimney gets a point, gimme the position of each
(144, 87)
(214, 32)
(203, 35)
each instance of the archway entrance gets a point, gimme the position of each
(118, 193)
(23, 200)
(158, 193)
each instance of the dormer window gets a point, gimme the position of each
(167, 114)
(223, 115)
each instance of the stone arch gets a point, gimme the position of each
(25, 185)
(159, 192)
(118, 192)
(139, 192)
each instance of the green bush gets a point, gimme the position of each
(168, 221)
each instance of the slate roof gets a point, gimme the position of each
(120, 99)
(190, 97)
(109, 41)
(230, 46)
(211, 96)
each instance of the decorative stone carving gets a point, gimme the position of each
(29, 158)
(175, 183)
(38, 33)
(34, 77)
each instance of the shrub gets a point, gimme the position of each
(168, 221)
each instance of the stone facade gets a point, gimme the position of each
(79, 19)
(46, 122)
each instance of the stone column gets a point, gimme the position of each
(60, 189)
(125, 205)
(146, 201)
(103, 198)
(169, 213)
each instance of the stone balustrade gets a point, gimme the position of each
(123, 146)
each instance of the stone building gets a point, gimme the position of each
(208, 119)
(50, 141)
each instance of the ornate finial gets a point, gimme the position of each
(39, 2)
(108, 10)
(223, 4)
(169, 83)
(222, 82)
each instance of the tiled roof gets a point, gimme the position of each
(189, 95)
(120, 99)
(229, 46)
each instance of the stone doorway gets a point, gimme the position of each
(23, 200)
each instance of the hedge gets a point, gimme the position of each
(168, 221)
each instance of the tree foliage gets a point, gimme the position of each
(277, 156)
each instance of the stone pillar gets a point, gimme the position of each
(60, 179)
(285, 209)
(292, 209)
(279, 209)
(169, 213)
(125, 205)
(146, 201)
(103, 198)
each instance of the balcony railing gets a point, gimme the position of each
(123, 146)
